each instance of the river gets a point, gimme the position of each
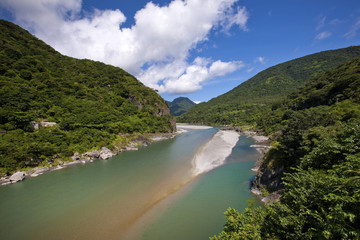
(163, 191)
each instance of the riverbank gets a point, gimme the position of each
(263, 145)
(133, 142)
(258, 189)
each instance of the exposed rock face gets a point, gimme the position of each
(92, 155)
(18, 176)
(135, 102)
(106, 153)
(162, 110)
(270, 178)
(141, 140)
(76, 156)
(173, 123)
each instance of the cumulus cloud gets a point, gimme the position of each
(323, 35)
(182, 77)
(155, 48)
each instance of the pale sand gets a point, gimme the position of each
(195, 127)
(214, 153)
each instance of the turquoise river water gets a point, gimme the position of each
(149, 194)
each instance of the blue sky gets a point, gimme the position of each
(198, 49)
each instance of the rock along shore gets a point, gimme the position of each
(91, 156)
(262, 145)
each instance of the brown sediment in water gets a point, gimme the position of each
(121, 219)
(101, 217)
(128, 229)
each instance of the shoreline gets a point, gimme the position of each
(214, 153)
(263, 145)
(140, 140)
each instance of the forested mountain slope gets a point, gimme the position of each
(89, 102)
(180, 106)
(241, 103)
(314, 163)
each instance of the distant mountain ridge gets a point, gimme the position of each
(268, 86)
(180, 105)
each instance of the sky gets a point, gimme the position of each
(198, 49)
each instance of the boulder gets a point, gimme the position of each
(93, 154)
(4, 181)
(76, 156)
(106, 153)
(18, 176)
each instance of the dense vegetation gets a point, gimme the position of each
(240, 105)
(180, 106)
(318, 150)
(90, 102)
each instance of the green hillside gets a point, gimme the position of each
(314, 164)
(180, 106)
(240, 104)
(89, 102)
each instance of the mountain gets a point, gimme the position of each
(314, 163)
(331, 98)
(180, 105)
(88, 103)
(241, 103)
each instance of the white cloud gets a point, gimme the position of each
(260, 60)
(181, 77)
(321, 22)
(353, 30)
(238, 16)
(323, 35)
(249, 70)
(197, 102)
(336, 21)
(220, 68)
(160, 39)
